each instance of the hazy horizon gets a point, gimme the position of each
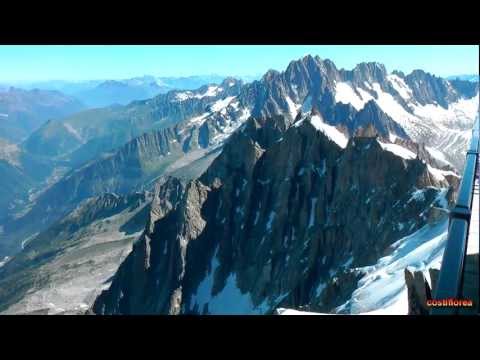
(71, 63)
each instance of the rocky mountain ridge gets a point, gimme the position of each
(274, 214)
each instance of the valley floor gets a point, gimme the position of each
(71, 281)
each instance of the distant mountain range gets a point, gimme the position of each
(23, 111)
(100, 93)
(471, 77)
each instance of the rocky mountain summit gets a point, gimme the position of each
(418, 105)
(278, 213)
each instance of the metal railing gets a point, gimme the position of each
(450, 280)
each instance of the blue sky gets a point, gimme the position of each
(39, 62)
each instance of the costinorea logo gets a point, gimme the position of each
(449, 303)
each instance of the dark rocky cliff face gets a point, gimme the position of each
(275, 215)
(371, 114)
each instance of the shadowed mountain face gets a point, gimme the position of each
(279, 211)
(14, 185)
(22, 112)
(20, 173)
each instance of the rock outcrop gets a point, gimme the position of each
(419, 291)
(277, 214)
